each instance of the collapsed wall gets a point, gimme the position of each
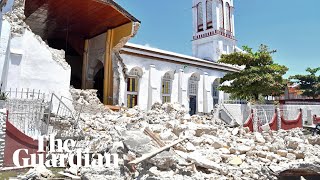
(32, 63)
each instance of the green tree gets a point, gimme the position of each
(260, 77)
(309, 84)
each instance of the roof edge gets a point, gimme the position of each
(224, 67)
(120, 9)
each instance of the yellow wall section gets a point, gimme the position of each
(114, 37)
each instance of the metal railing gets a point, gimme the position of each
(264, 115)
(62, 110)
(33, 113)
(30, 116)
(235, 102)
(24, 94)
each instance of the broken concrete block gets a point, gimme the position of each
(203, 162)
(314, 140)
(299, 154)
(224, 151)
(235, 131)
(291, 156)
(190, 147)
(236, 160)
(137, 142)
(163, 161)
(167, 134)
(259, 138)
(243, 149)
(293, 142)
(282, 153)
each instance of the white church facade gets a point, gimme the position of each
(163, 76)
(125, 74)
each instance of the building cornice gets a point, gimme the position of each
(153, 53)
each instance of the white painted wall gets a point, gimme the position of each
(32, 66)
(96, 52)
(0, 21)
(150, 84)
(4, 52)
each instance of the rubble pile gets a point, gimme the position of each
(86, 101)
(38, 172)
(16, 17)
(211, 151)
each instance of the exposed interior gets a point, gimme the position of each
(67, 24)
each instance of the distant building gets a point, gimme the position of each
(293, 95)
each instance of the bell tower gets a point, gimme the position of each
(213, 29)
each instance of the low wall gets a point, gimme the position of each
(15, 140)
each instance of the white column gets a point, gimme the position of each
(205, 93)
(220, 47)
(195, 29)
(180, 79)
(151, 86)
(0, 21)
(200, 92)
(232, 22)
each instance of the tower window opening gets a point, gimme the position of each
(199, 17)
(228, 17)
(209, 14)
(221, 14)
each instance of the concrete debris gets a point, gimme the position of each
(16, 18)
(212, 150)
(87, 101)
(38, 172)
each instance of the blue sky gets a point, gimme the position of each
(291, 27)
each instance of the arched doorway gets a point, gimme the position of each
(98, 83)
(193, 92)
(215, 92)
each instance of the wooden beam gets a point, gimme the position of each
(115, 38)
(108, 71)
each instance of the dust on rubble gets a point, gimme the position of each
(212, 150)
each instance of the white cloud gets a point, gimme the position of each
(149, 45)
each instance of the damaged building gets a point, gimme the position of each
(50, 45)
(55, 44)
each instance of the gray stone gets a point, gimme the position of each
(137, 142)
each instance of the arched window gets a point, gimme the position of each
(209, 14)
(193, 92)
(228, 16)
(133, 87)
(215, 92)
(221, 12)
(193, 84)
(166, 87)
(199, 17)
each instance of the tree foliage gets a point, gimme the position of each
(260, 76)
(309, 84)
